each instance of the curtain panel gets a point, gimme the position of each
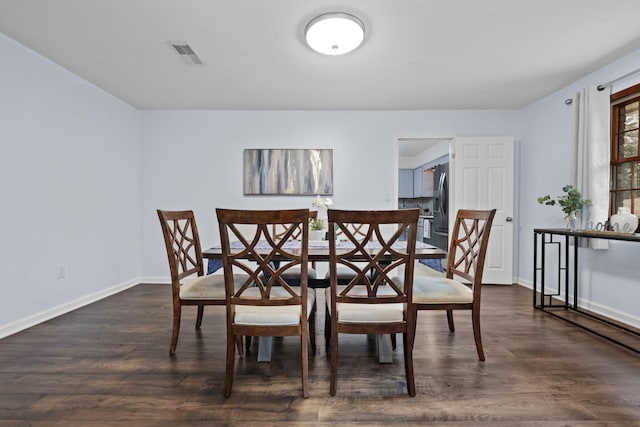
(591, 152)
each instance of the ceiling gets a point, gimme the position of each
(417, 54)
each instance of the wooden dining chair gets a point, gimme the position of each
(345, 274)
(189, 285)
(376, 299)
(460, 288)
(266, 304)
(293, 274)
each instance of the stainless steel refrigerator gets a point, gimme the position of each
(440, 226)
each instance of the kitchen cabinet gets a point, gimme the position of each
(417, 182)
(427, 182)
(405, 183)
(422, 182)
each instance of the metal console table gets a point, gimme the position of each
(567, 263)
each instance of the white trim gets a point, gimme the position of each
(37, 318)
(524, 282)
(156, 280)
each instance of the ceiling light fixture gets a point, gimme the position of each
(334, 33)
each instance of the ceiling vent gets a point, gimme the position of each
(186, 53)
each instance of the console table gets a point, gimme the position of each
(567, 263)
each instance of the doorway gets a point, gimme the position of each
(421, 161)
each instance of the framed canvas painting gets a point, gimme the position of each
(288, 171)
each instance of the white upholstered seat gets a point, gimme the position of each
(432, 289)
(207, 287)
(275, 315)
(367, 313)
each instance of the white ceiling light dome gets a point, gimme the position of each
(334, 33)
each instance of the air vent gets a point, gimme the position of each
(186, 53)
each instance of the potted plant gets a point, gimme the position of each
(317, 226)
(571, 204)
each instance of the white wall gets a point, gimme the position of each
(609, 279)
(69, 185)
(82, 174)
(193, 159)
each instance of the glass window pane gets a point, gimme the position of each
(622, 198)
(628, 144)
(637, 180)
(629, 116)
(623, 176)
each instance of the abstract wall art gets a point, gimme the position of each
(288, 171)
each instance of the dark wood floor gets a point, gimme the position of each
(108, 364)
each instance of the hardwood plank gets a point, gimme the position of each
(108, 364)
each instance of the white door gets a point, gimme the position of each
(482, 178)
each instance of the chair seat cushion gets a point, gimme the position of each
(440, 290)
(367, 313)
(294, 273)
(342, 273)
(207, 287)
(283, 315)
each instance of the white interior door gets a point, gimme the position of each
(482, 178)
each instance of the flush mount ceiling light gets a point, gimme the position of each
(334, 33)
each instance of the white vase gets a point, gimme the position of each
(624, 221)
(315, 235)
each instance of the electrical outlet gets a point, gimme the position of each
(60, 272)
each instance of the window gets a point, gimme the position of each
(625, 158)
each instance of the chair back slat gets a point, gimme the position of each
(359, 230)
(269, 247)
(468, 245)
(279, 230)
(182, 243)
(377, 254)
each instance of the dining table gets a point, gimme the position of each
(318, 252)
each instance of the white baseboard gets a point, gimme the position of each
(37, 318)
(523, 282)
(156, 280)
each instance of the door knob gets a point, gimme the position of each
(509, 219)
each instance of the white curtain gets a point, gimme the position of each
(591, 154)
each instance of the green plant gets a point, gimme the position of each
(571, 202)
(317, 224)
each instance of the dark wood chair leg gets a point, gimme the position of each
(452, 328)
(304, 361)
(312, 326)
(177, 312)
(393, 341)
(407, 342)
(327, 331)
(334, 363)
(230, 365)
(239, 346)
(200, 314)
(475, 320)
